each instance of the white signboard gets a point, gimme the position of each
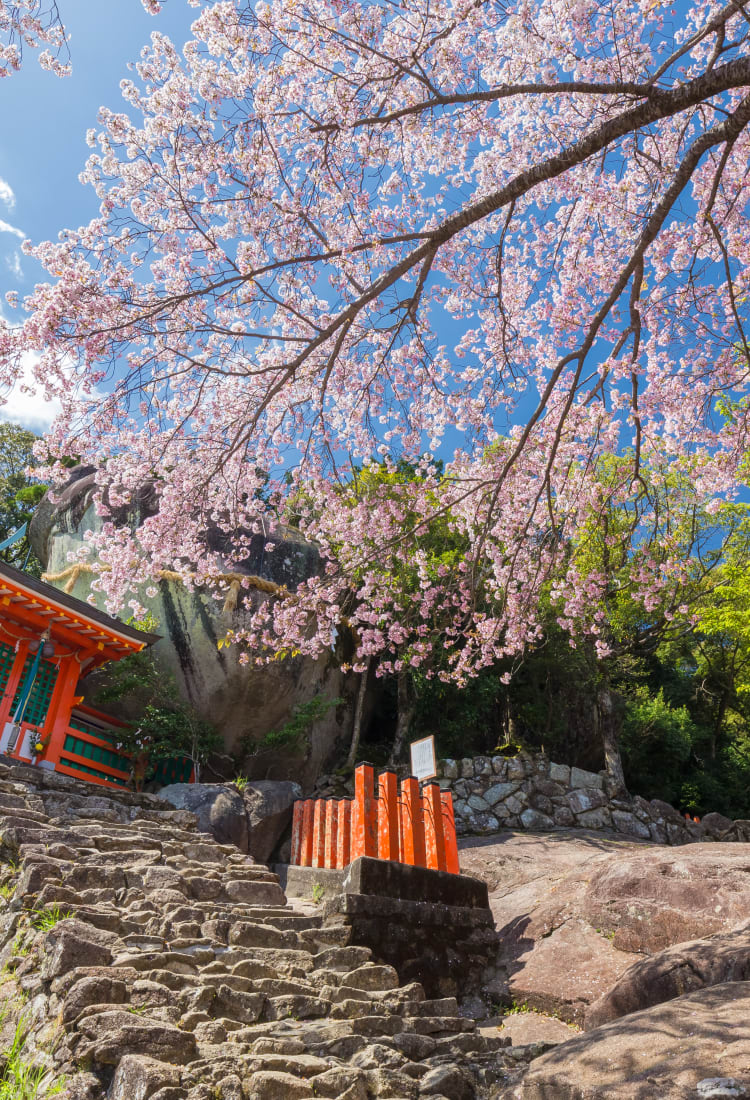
(423, 763)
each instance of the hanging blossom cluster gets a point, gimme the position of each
(37, 25)
(334, 235)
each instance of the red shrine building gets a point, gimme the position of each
(48, 640)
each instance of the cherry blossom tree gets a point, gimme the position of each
(513, 236)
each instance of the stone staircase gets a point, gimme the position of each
(147, 962)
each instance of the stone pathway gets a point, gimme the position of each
(150, 963)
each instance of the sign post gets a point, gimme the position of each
(423, 762)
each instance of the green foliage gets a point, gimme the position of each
(19, 494)
(290, 735)
(240, 782)
(166, 726)
(19, 1079)
(657, 742)
(45, 919)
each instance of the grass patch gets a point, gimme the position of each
(19, 1079)
(45, 919)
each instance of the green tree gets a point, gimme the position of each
(19, 494)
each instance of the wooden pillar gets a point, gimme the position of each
(331, 831)
(343, 839)
(449, 833)
(319, 833)
(388, 825)
(365, 823)
(297, 822)
(11, 687)
(60, 708)
(412, 825)
(306, 852)
(432, 806)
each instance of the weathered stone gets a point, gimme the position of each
(629, 823)
(138, 1078)
(447, 1081)
(724, 957)
(93, 991)
(483, 824)
(467, 768)
(450, 769)
(518, 767)
(219, 810)
(540, 802)
(581, 778)
(499, 791)
(477, 804)
(665, 811)
(664, 1051)
(269, 1085)
(114, 1034)
(72, 943)
(582, 800)
(514, 803)
(482, 766)
(595, 819)
(563, 816)
(716, 824)
(269, 810)
(560, 773)
(533, 819)
(499, 765)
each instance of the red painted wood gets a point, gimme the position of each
(319, 833)
(412, 825)
(297, 819)
(365, 815)
(331, 829)
(306, 851)
(388, 824)
(344, 838)
(449, 833)
(432, 813)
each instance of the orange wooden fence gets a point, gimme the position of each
(407, 825)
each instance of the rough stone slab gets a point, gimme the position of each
(397, 880)
(662, 1052)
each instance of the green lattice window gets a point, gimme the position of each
(95, 753)
(175, 770)
(7, 657)
(104, 734)
(75, 766)
(41, 693)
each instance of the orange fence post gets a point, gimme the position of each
(412, 826)
(297, 815)
(388, 816)
(319, 833)
(449, 833)
(432, 807)
(332, 819)
(343, 839)
(306, 847)
(365, 823)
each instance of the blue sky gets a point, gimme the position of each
(42, 140)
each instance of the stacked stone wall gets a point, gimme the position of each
(491, 793)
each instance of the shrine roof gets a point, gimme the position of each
(31, 599)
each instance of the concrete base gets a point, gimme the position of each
(433, 927)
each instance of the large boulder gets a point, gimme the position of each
(219, 810)
(681, 969)
(690, 1048)
(268, 805)
(253, 820)
(244, 702)
(654, 899)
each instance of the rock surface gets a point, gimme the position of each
(667, 1052)
(245, 703)
(724, 957)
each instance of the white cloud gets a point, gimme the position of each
(13, 263)
(29, 409)
(7, 196)
(6, 227)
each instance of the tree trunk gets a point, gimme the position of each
(609, 732)
(407, 704)
(358, 709)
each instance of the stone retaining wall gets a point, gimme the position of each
(529, 792)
